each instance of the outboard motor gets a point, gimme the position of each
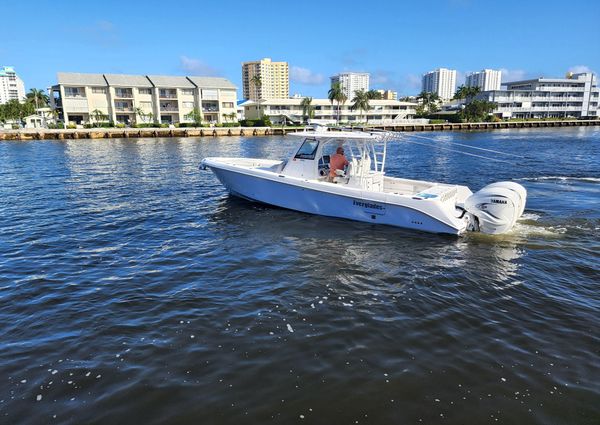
(497, 207)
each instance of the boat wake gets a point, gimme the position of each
(562, 179)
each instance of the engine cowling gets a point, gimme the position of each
(497, 206)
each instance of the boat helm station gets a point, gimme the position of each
(365, 154)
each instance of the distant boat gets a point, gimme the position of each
(362, 191)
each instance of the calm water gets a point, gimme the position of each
(134, 290)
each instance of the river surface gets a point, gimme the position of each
(133, 289)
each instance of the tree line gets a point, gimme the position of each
(14, 110)
(472, 110)
(360, 101)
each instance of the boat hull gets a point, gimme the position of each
(281, 191)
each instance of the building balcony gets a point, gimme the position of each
(124, 109)
(540, 109)
(537, 99)
(123, 95)
(210, 109)
(169, 109)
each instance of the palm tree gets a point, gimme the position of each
(257, 82)
(361, 102)
(195, 115)
(374, 94)
(98, 115)
(140, 112)
(429, 100)
(37, 96)
(466, 92)
(308, 110)
(336, 94)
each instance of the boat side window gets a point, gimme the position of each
(308, 149)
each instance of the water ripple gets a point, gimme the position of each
(132, 286)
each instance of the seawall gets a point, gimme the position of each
(110, 133)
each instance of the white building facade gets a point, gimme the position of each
(142, 99)
(352, 82)
(486, 79)
(290, 111)
(576, 96)
(442, 81)
(11, 86)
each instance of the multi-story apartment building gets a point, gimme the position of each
(274, 79)
(290, 110)
(388, 94)
(442, 81)
(129, 99)
(575, 96)
(11, 86)
(486, 79)
(352, 82)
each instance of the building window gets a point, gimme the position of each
(187, 104)
(74, 92)
(145, 91)
(101, 90)
(168, 93)
(187, 91)
(227, 104)
(123, 93)
(145, 105)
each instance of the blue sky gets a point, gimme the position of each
(396, 41)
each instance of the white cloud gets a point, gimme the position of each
(104, 26)
(509, 75)
(381, 78)
(305, 76)
(193, 66)
(579, 69)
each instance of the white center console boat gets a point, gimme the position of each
(363, 191)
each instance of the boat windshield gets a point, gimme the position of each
(308, 149)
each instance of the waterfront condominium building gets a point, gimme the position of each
(575, 96)
(274, 79)
(388, 94)
(352, 82)
(11, 86)
(290, 111)
(441, 81)
(129, 99)
(486, 79)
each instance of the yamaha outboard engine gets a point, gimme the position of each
(496, 207)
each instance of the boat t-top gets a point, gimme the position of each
(362, 191)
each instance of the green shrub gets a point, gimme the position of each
(72, 126)
(146, 125)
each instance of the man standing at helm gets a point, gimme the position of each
(337, 162)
